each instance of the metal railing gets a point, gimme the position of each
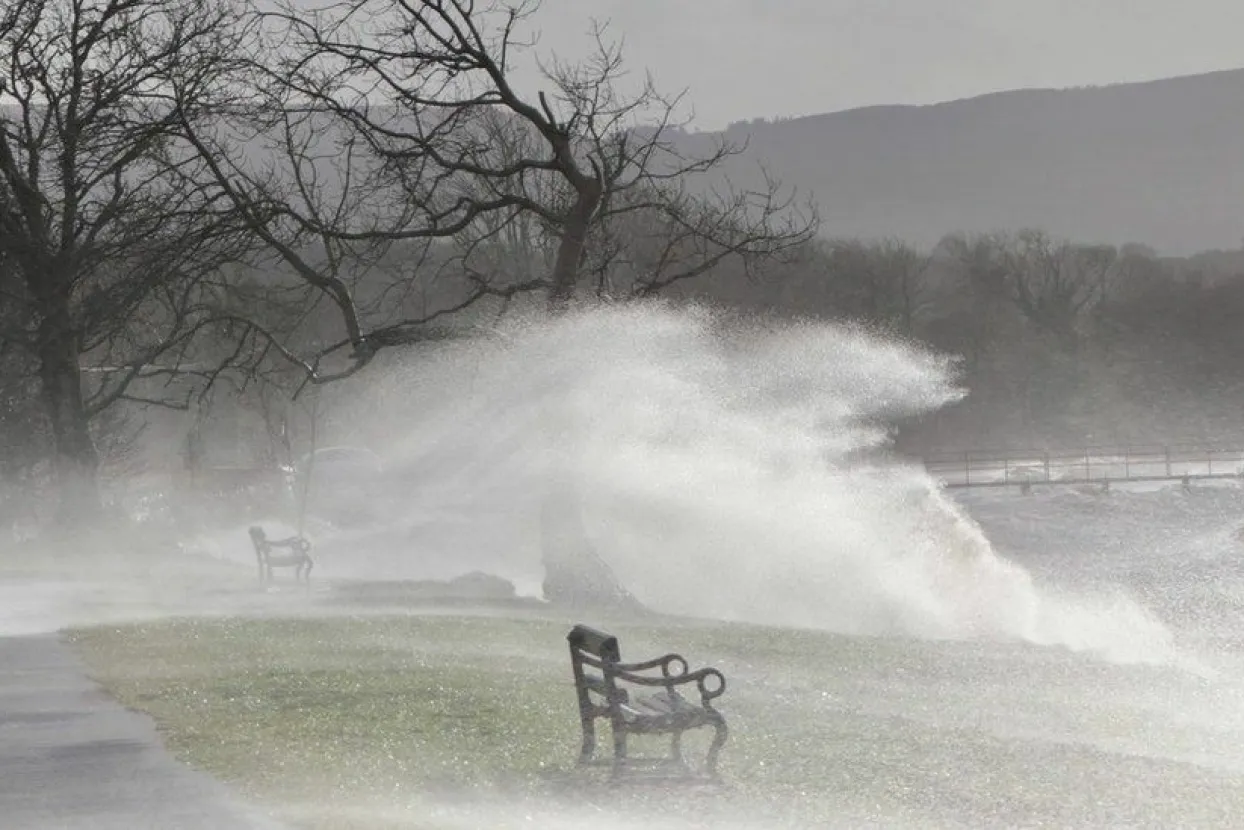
(985, 468)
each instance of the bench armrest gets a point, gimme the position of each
(710, 682)
(671, 665)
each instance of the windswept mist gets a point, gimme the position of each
(726, 468)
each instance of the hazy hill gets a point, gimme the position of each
(1159, 162)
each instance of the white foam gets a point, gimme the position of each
(720, 471)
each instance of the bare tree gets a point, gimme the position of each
(105, 245)
(981, 310)
(361, 130)
(1060, 287)
(345, 233)
(433, 142)
(885, 281)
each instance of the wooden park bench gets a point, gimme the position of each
(659, 711)
(268, 552)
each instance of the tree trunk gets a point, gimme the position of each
(570, 247)
(76, 461)
(575, 575)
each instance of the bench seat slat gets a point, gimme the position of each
(651, 714)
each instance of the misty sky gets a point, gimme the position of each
(748, 58)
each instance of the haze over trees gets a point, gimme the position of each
(104, 242)
(199, 195)
(188, 185)
(395, 146)
(1060, 344)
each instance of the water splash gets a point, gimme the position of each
(731, 469)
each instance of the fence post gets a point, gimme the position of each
(967, 467)
(1167, 450)
(1088, 470)
(1046, 458)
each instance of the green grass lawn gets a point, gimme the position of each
(344, 722)
(313, 714)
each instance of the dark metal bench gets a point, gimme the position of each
(663, 712)
(268, 553)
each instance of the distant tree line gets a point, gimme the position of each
(201, 193)
(1061, 343)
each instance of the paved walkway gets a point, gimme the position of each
(71, 758)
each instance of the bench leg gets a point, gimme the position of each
(676, 749)
(588, 750)
(619, 751)
(719, 740)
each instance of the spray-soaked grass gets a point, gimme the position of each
(293, 703)
(363, 722)
(325, 715)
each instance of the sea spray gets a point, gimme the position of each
(726, 468)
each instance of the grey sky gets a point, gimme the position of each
(749, 58)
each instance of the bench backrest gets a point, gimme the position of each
(592, 648)
(586, 640)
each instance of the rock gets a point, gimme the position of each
(479, 585)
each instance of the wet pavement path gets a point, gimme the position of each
(71, 758)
